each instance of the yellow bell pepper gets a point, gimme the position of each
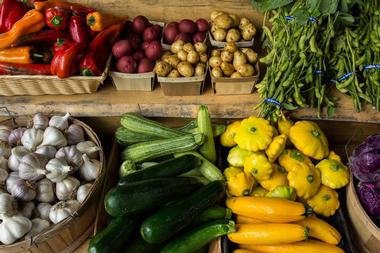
(325, 202)
(254, 134)
(305, 179)
(276, 147)
(277, 178)
(227, 138)
(259, 191)
(308, 138)
(334, 156)
(238, 182)
(258, 166)
(282, 191)
(292, 159)
(284, 126)
(334, 174)
(236, 156)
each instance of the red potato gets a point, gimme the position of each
(135, 40)
(187, 26)
(170, 33)
(128, 27)
(150, 34)
(140, 23)
(154, 50)
(138, 55)
(202, 25)
(122, 48)
(145, 65)
(173, 24)
(158, 28)
(186, 37)
(126, 64)
(199, 37)
(144, 45)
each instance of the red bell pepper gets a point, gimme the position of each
(61, 45)
(79, 31)
(24, 69)
(45, 36)
(57, 18)
(64, 63)
(94, 61)
(10, 12)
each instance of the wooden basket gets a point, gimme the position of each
(70, 233)
(133, 82)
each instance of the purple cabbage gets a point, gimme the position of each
(365, 160)
(370, 199)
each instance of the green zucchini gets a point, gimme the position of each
(143, 195)
(144, 151)
(198, 237)
(178, 215)
(138, 245)
(215, 213)
(139, 124)
(114, 237)
(189, 127)
(169, 168)
(127, 137)
(205, 127)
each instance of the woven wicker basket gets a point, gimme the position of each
(70, 233)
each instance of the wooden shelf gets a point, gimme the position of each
(109, 102)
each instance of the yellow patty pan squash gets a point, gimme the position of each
(238, 182)
(276, 147)
(282, 191)
(258, 191)
(292, 159)
(284, 126)
(305, 179)
(258, 166)
(254, 134)
(334, 174)
(236, 156)
(333, 156)
(227, 138)
(308, 138)
(277, 178)
(325, 202)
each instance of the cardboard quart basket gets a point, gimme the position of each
(182, 86)
(221, 44)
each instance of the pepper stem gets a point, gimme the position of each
(87, 72)
(56, 21)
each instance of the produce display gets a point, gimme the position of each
(233, 62)
(186, 30)
(47, 171)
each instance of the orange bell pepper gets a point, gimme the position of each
(99, 21)
(16, 55)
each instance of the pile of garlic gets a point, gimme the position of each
(46, 172)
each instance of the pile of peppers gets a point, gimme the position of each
(54, 38)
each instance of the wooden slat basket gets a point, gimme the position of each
(70, 233)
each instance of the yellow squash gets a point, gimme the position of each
(321, 230)
(268, 233)
(259, 191)
(308, 138)
(238, 182)
(240, 219)
(244, 251)
(284, 126)
(334, 174)
(277, 178)
(282, 191)
(258, 166)
(305, 180)
(334, 156)
(325, 202)
(268, 209)
(309, 246)
(254, 134)
(292, 159)
(237, 156)
(276, 147)
(227, 138)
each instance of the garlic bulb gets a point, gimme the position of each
(4, 163)
(11, 180)
(62, 210)
(45, 191)
(89, 169)
(53, 137)
(82, 192)
(67, 188)
(4, 133)
(8, 204)
(17, 154)
(89, 148)
(38, 225)
(26, 209)
(42, 211)
(15, 136)
(32, 167)
(3, 176)
(31, 138)
(23, 190)
(48, 151)
(13, 228)
(40, 121)
(5, 149)
(72, 156)
(60, 122)
(74, 134)
(57, 170)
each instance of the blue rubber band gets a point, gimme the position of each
(372, 66)
(346, 76)
(319, 72)
(313, 19)
(272, 101)
(289, 18)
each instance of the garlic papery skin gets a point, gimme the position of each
(60, 122)
(13, 228)
(53, 137)
(31, 138)
(4, 163)
(42, 211)
(57, 170)
(3, 176)
(14, 139)
(32, 167)
(89, 169)
(62, 210)
(38, 226)
(8, 204)
(5, 131)
(45, 191)
(89, 148)
(48, 151)
(72, 156)
(23, 190)
(67, 188)
(26, 209)
(17, 154)
(11, 180)
(82, 192)
(5, 149)
(74, 134)
(40, 121)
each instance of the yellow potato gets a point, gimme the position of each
(244, 22)
(226, 56)
(239, 59)
(165, 55)
(216, 52)
(233, 35)
(193, 57)
(251, 55)
(236, 75)
(177, 46)
(185, 69)
(188, 47)
(227, 68)
(182, 55)
(215, 61)
(248, 32)
(200, 69)
(246, 70)
(235, 19)
(214, 14)
(217, 72)
(219, 34)
(230, 47)
(173, 60)
(174, 74)
(200, 47)
(203, 57)
(163, 68)
(223, 21)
